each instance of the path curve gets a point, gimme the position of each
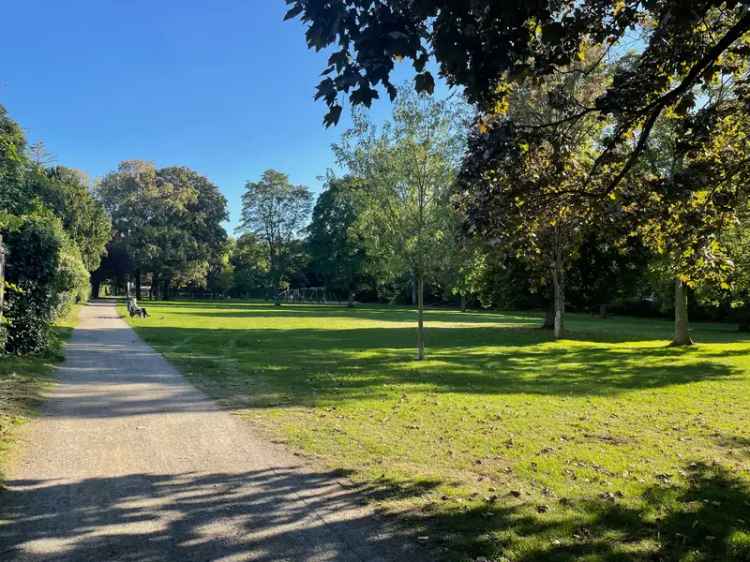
(129, 462)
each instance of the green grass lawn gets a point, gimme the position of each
(503, 443)
(23, 380)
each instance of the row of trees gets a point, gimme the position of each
(574, 133)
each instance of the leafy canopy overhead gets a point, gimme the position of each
(478, 45)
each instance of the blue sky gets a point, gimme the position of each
(223, 87)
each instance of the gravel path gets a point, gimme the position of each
(131, 462)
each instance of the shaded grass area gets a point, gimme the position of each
(23, 379)
(605, 446)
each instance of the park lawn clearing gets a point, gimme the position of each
(503, 443)
(23, 380)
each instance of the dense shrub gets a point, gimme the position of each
(46, 276)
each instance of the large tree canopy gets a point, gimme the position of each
(680, 47)
(169, 219)
(336, 248)
(477, 43)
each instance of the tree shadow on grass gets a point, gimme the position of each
(283, 514)
(310, 366)
(705, 518)
(583, 327)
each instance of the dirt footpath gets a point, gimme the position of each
(131, 462)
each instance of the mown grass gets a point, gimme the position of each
(24, 379)
(503, 443)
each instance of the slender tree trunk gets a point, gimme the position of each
(350, 303)
(463, 301)
(414, 289)
(420, 319)
(559, 286)
(138, 284)
(681, 325)
(602, 311)
(165, 295)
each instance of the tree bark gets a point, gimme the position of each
(420, 319)
(549, 315)
(463, 301)
(414, 289)
(681, 325)
(350, 303)
(138, 284)
(559, 286)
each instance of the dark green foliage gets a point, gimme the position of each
(64, 191)
(337, 251)
(167, 221)
(39, 280)
(54, 232)
(251, 267)
(12, 164)
(605, 273)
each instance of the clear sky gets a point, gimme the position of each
(224, 87)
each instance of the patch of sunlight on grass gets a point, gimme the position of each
(608, 445)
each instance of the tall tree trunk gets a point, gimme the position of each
(350, 303)
(681, 325)
(165, 294)
(420, 319)
(138, 284)
(549, 315)
(558, 280)
(414, 289)
(463, 301)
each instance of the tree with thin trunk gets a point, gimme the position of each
(520, 183)
(408, 167)
(276, 212)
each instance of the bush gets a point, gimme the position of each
(46, 274)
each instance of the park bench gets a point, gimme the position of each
(135, 310)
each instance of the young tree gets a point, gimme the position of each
(275, 211)
(408, 168)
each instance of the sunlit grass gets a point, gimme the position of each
(608, 445)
